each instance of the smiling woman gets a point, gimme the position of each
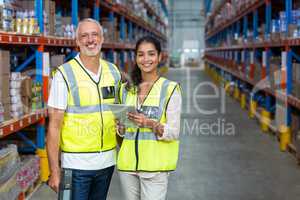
(149, 151)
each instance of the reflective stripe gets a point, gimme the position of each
(87, 109)
(73, 83)
(117, 78)
(163, 97)
(124, 94)
(142, 136)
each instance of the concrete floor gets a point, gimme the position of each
(233, 161)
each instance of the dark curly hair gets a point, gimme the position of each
(136, 74)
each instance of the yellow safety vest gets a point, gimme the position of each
(89, 125)
(141, 150)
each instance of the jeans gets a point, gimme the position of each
(91, 184)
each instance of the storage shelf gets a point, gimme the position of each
(265, 44)
(114, 45)
(19, 39)
(216, 11)
(228, 65)
(128, 14)
(238, 16)
(148, 7)
(14, 125)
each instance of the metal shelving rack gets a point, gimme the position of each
(40, 42)
(236, 63)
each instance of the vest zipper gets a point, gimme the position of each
(99, 95)
(101, 117)
(137, 148)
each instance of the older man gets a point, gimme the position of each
(80, 125)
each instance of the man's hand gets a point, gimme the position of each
(54, 181)
(55, 122)
(120, 128)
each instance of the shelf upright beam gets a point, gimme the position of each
(75, 12)
(122, 29)
(252, 64)
(268, 19)
(288, 13)
(207, 6)
(255, 24)
(266, 111)
(264, 64)
(111, 18)
(41, 151)
(97, 10)
(289, 82)
(245, 27)
(238, 27)
(164, 7)
(122, 59)
(286, 88)
(130, 31)
(39, 14)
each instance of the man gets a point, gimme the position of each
(81, 126)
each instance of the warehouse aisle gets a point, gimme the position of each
(232, 161)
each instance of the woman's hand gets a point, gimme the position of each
(139, 119)
(120, 128)
(142, 121)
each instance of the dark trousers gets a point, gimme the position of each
(91, 184)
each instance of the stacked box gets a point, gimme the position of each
(4, 83)
(295, 127)
(275, 65)
(28, 6)
(26, 87)
(109, 29)
(58, 25)
(15, 95)
(52, 18)
(9, 165)
(6, 17)
(29, 172)
(56, 61)
(37, 100)
(67, 30)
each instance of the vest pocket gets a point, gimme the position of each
(108, 92)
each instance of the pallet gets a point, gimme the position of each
(26, 194)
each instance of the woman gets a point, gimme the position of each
(149, 150)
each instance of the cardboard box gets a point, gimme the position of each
(296, 72)
(6, 107)
(4, 63)
(292, 29)
(4, 88)
(66, 20)
(26, 87)
(85, 13)
(26, 104)
(57, 60)
(296, 89)
(52, 18)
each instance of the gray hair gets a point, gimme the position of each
(88, 20)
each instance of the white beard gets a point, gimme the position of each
(87, 52)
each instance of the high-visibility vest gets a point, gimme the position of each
(89, 125)
(141, 150)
